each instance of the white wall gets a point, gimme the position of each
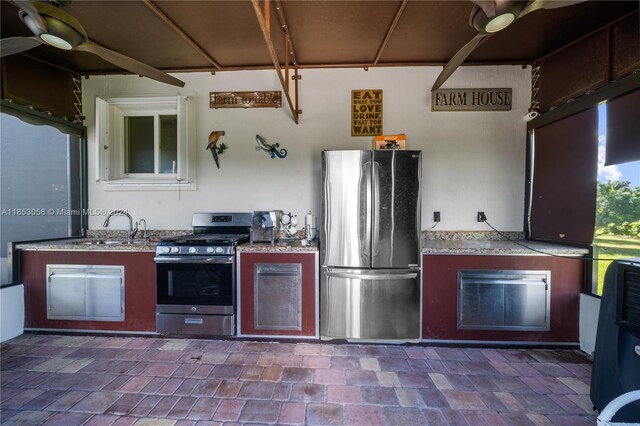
(472, 161)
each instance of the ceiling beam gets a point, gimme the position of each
(51, 64)
(160, 14)
(316, 66)
(285, 29)
(392, 27)
(264, 27)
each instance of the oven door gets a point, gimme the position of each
(195, 284)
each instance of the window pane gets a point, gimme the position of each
(618, 208)
(39, 197)
(168, 143)
(138, 145)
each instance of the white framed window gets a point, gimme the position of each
(146, 142)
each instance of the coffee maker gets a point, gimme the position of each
(265, 226)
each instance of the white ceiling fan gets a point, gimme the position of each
(53, 26)
(489, 17)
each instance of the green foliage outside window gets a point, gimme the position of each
(618, 209)
(617, 224)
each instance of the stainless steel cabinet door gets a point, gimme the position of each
(347, 202)
(396, 209)
(504, 300)
(367, 304)
(66, 295)
(85, 292)
(277, 296)
(105, 295)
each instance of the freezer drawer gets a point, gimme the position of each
(370, 304)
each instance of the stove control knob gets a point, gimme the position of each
(219, 250)
(193, 250)
(164, 249)
(210, 250)
(175, 249)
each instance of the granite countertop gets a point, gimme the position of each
(462, 246)
(115, 242)
(280, 246)
(91, 244)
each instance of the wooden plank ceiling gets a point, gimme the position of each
(225, 35)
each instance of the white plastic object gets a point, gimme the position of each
(291, 230)
(604, 419)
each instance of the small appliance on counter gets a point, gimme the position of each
(265, 226)
(289, 223)
(310, 229)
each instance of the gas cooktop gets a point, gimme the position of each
(213, 234)
(205, 239)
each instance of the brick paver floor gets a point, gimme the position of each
(89, 380)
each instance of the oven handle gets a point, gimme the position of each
(195, 259)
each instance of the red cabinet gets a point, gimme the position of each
(139, 288)
(278, 294)
(440, 291)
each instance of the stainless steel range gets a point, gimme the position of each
(196, 276)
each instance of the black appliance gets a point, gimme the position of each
(616, 361)
(196, 276)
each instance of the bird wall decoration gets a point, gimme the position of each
(213, 145)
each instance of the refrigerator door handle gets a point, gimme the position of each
(375, 214)
(372, 277)
(368, 213)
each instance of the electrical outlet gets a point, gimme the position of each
(482, 217)
(436, 216)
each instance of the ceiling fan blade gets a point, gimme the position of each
(547, 4)
(487, 6)
(31, 10)
(458, 59)
(12, 45)
(129, 64)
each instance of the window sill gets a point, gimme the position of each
(128, 184)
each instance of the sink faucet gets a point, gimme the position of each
(132, 230)
(144, 234)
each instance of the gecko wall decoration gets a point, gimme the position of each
(216, 151)
(271, 149)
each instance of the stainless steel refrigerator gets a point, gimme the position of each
(370, 251)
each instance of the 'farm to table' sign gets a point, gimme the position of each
(471, 100)
(366, 112)
(245, 99)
